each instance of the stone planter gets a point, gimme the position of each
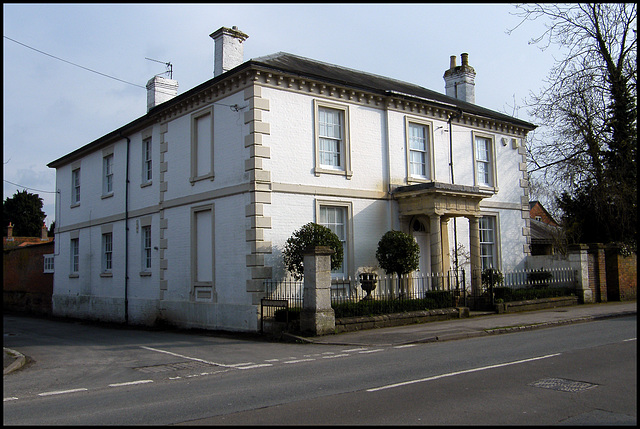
(368, 282)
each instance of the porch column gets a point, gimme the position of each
(446, 255)
(435, 236)
(474, 248)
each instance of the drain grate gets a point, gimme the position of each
(174, 366)
(563, 385)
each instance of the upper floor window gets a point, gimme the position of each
(332, 147)
(107, 175)
(202, 145)
(75, 186)
(146, 161)
(484, 161)
(419, 149)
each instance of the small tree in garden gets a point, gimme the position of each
(308, 235)
(398, 253)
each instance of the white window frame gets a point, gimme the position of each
(344, 144)
(147, 161)
(75, 185)
(347, 209)
(146, 248)
(74, 255)
(107, 175)
(195, 117)
(107, 252)
(429, 163)
(48, 263)
(489, 241)
(490, 162)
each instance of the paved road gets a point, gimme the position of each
(170, 377)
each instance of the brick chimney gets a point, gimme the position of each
(228, 51)
(159, 90)
(459, 80)
(10, 232)
(45, 233)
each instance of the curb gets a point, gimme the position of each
(18, 363)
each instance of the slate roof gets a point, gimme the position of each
(313, 70)
(305, 67)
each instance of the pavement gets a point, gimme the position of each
(478, 324)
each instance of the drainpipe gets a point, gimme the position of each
(126, 237)
(457, 114)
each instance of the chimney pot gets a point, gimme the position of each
(453, 62)
(465, 59)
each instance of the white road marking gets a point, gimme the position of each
(259, 365)
(61, 392)
(404, 346)
(355, 350)
(371, 351)
(335, 356)
(298, 360)
(466, 371)
(188, 357)
(130, 383)
(630, 339)
(13, 398)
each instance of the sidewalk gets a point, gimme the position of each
(479, 324)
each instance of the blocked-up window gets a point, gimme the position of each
(202, 145)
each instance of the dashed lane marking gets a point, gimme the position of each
(62, 392)
(130, 383)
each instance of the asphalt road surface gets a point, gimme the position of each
(86, 374)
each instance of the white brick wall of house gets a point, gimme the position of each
(265, 184)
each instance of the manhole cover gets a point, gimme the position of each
(174, 366)
(563, 385)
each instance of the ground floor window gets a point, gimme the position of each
(335, 218)
(488, 242)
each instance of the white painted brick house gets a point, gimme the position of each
(181, 214)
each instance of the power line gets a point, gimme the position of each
(31, 189)
(74, 64)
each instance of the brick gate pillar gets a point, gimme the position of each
(317, 317)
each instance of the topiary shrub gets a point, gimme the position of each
(308, 235)
(398, 253)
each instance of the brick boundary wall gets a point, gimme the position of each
(25, 287)
(622, 275)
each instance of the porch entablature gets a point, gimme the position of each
(440, 199)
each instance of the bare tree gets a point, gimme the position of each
(587, 111)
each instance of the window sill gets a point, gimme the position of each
(209, 176)
(109, 195)
(74, 205)
(74, 276)
(145, 273)
(146, 184)
(319, 170)
(106, 274)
